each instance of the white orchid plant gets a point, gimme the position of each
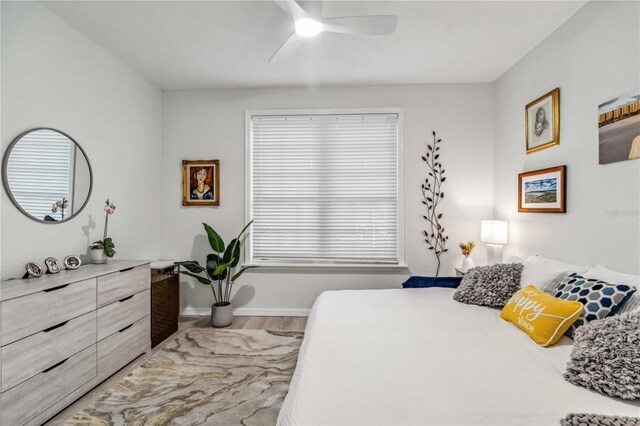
(106, 243)
(61, 205)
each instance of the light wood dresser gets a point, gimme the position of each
(65, 333)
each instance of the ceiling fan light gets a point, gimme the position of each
(308, 27)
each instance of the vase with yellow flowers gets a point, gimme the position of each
(466, 249)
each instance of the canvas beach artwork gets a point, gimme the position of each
(619, 128)
(200, 182)
(542, 191)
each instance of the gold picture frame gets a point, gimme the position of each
(200, 182)
(542, 122)
(543, 191)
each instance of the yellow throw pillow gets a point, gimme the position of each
(543, 317)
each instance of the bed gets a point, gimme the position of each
(415, 356)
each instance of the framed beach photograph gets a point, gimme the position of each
(200, 182)
(542, 122)
(619, 128)
(542, 191)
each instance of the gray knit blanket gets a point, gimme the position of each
(598, 419)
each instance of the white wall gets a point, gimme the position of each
(210, 125)
(592, 58)
(54, 76)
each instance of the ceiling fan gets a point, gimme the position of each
(307, 25)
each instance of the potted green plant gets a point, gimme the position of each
(219, 273)
(104, 249)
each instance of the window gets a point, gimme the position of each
(324, 189)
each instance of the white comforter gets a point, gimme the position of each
(415, 356)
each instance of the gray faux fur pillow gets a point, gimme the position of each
(491, 285)
(598, 420)
(606, 356)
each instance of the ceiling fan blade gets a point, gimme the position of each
(366, 25)
(292, 8)
(313, 8)
(288, 48)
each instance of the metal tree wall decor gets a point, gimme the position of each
(432, 196)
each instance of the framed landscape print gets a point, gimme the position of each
(542, 122)
(542, 191)
(200, 182)
(619, 128)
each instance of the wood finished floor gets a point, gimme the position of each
(246, 323)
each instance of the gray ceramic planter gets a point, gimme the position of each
(221, 315)
(97, 255)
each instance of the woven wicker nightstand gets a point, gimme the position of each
(165, 300)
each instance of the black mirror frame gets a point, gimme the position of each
(5, 180)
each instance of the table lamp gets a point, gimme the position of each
(495, 233)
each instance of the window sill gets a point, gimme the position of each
(328, 268)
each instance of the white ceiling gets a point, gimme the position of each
(216, 44)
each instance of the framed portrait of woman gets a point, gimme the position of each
(542, 122)
(200, 182)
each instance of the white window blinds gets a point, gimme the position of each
(324, 189)
(40, 172)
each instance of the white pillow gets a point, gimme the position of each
(556, 264)
(539, 275)
(561, 269)
(601, 273)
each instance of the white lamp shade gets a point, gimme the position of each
(494, 231)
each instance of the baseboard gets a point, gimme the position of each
(254, 312)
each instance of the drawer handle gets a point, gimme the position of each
(123, 329)
(126, 298)
(46, 330)
(55, 288)
(55, 365)
(125, 269)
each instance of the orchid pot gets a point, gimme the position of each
(97, 253)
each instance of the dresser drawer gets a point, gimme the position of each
(35, 312)
(27, 357)
(115, 286)
(25, 401)
(123, 342)
(116, 316)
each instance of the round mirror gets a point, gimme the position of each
(47, 175)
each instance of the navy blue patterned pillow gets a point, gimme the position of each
(600, 299)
